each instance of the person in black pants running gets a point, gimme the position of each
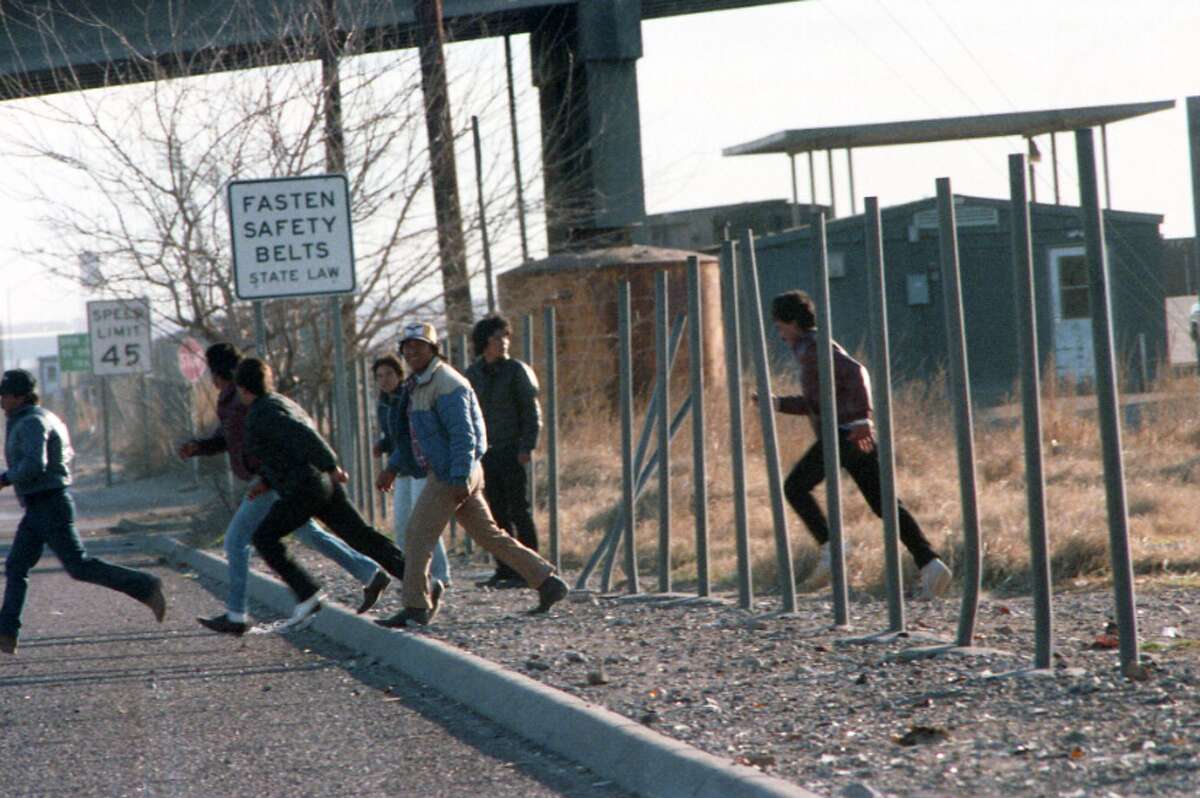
(796, 322)
(298, 464)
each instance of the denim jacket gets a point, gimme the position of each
(446, 423)
(394, 438)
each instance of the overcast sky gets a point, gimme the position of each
(713, 80)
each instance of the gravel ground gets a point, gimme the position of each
(803, 702)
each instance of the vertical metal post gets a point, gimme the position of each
(531, 466)
(752, 304)
(1193, 117)
(960, 396)
(662, 358)
(367, 460)
(812, 180)
(1031, 405)
(1031, 149)
(624, 346)
(1106, 395)
(516, 144)
(144, 408)
(1054, 165)
(829, 426)
(737, 448)
(483, 229)
(1143, 363)
(106, 409)
(342, 418)
(832, 189)
(850, 167)
(699, 460)
(1104, 157)
(795, 192)
(881, 357)
(551, 389)
(460, 361)
(260, 329)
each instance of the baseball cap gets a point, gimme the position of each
(419, 331)
(17, 382)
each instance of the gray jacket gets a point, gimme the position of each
(293, 457)
(508, 394)
(38, 451)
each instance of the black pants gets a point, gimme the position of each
(49, 520)
(327, 502)
(864, 469)
(504, 487)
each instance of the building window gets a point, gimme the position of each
(1073, 287)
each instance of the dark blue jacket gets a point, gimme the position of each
(37, 447)
(394, 437)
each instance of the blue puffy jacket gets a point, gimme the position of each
(446, 422)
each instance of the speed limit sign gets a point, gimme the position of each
(119, 330)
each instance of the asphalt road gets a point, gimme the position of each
(102, 701)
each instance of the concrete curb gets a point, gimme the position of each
(613, 746)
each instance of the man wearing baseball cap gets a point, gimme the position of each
(38, 451)
(448, 441)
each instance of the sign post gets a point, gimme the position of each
(292, 237)
(119, 334)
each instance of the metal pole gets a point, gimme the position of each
(144, 402)
(795, 192)
(624, 346)
(1106, 394)
(752, 300)
(483, 230)
(260, 329)
(105, 407)
(1104, 157)
(737, 447)
(956, 347)
(1054, 165)
(551, 389)
(1193, 117)
(881, 354)
(531, 466)
(516, 143)
(699, 461)
(460, 361)
(812, 180)
(832, 189)
(1029, 147)
(1031, 404)
(829, 426)
(850, 166)
(662, 357)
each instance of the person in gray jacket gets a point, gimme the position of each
(296, 462)
(508, 393)
(37, 448)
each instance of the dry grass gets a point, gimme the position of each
(1161, 461)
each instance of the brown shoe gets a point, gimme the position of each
(157, 602)
(8, 644)
(550, 592)
(373, 590)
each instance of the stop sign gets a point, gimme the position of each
(192, 364)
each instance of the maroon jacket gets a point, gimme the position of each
(230, 435)
(852, 386)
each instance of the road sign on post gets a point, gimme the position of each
(119, 330)
(75, 352)
(291, 237)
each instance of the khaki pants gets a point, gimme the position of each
(434, 508)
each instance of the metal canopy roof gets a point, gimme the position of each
(1024, 123)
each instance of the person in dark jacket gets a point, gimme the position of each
(37, 448)
(223, 359)
(796, 322)
(508, 393)
(402, 475)
(296, 462)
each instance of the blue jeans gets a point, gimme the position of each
(49, 520)
(249, 515)
(405, 491)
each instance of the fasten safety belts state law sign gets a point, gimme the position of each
(291, 237)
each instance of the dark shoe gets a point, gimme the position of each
(157, 602)
(435, 598)
(8, 644)
(415, 615)
(490, 582)
(221, 623)
(373, 590)
(502, 582)
(550, 592)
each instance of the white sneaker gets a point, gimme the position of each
(824, 564)
(935, 579)
(302, 615)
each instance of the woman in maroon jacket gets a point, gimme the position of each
(796, 322)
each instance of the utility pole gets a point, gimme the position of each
(451, 246)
